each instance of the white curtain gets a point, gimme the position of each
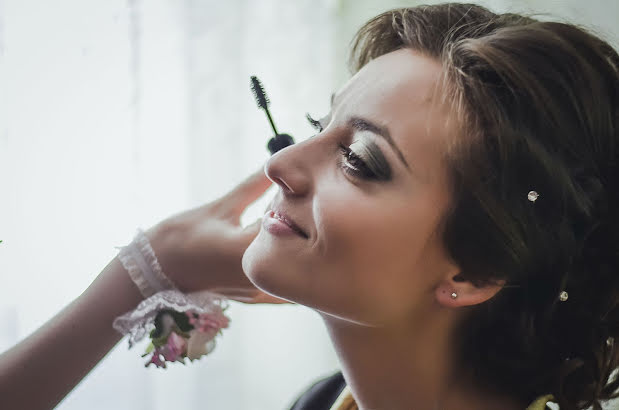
(115, 114)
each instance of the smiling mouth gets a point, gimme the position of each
(288, 222)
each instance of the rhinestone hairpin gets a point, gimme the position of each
(532, 196)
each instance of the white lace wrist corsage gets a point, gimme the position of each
(180, 326)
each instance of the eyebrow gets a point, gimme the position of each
(363, 124)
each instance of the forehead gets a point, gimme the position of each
(397, 90)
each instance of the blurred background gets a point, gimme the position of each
(116, 114)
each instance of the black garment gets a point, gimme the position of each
(322, 394)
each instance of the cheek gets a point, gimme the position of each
(370, 265)
(373, 256)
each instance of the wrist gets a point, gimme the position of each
(165, 239)
(113, 283)
(142, 264)
(159, 238)
(180, 256)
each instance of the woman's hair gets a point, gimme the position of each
(538, 106)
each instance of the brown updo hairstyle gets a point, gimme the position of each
(538, 106)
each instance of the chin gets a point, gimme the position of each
(270, 270)
(267, 275)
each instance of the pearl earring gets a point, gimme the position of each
(454, 295)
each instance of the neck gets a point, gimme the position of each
(398, 365)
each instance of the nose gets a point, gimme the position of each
(289, 168)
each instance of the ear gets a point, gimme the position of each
(466, 294)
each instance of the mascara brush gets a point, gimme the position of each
(279, 141)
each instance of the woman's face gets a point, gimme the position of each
(373, 252)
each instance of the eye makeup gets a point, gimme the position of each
(366, 149)
(363, 158)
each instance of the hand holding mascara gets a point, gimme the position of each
(279, 141)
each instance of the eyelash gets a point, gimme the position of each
(360, 171)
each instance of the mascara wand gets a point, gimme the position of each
(279, 141)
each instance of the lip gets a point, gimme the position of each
(281, 216)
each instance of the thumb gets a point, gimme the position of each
(246, 192)
(252, 229)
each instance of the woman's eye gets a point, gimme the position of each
(353, 165)
(350, 162)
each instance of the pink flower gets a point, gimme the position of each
(192, 318)
(207, 321)
(156, 360)
(175, 348)
(199, 342)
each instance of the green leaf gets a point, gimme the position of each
(149, 348)
(182, 321)
(160, 341)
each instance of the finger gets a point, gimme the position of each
(264, 298)
(234, 290)
(242, 299)
(234, 294)
(251, 230)
(249, 296)
(250, 189)
(268, 207)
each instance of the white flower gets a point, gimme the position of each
(167, 324)
(199, 343)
